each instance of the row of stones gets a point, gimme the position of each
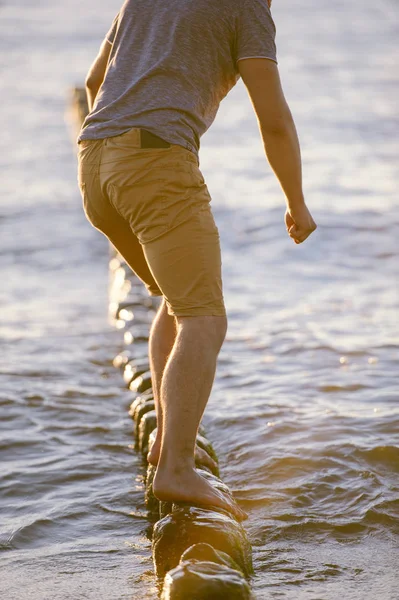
(199, 554)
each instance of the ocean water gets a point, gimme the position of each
(304, 411)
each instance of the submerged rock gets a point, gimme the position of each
(188, 525)
(205, 581)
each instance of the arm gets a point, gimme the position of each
(96, 73)
(280, 140)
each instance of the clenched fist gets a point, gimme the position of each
(299, 223)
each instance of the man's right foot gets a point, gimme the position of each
(188, 486)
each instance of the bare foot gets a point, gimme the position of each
(188, 486)
(201, 456)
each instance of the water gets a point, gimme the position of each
(304, 411)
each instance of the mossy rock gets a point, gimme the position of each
(201, 430)
(188, 525)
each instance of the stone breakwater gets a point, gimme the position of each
(198, 553)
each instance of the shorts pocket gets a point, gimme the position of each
(157, 199)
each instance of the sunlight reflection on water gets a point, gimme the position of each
(304, 412)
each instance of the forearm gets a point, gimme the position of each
(283, 153)
(91, 93)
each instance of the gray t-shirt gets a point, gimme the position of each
(172, 62)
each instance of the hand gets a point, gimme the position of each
(299, 223)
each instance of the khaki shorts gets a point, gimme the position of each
(154, 207)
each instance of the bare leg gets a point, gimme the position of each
(162, 338)
(185, 389)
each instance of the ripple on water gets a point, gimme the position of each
(304, 412)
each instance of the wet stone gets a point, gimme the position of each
(140, 401)
(141, 383)
(205, 581)
(144, 408)
(120, 361)
(165, 508)
(188, 525)
(147, 424)
(137, 336)
(152, 438)
(207, 446)
(124, 314)
(133, 369)
(213, 470)
(216, 482)
(201, 430)
(205, 552)
(151, 502)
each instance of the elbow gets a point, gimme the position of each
(277, 125)
(276, 119)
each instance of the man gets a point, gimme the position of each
(153, 90)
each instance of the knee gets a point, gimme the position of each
(209, 330)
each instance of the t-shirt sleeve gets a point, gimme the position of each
(112, 31)
(255, 31)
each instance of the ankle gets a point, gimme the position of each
(175, 464)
